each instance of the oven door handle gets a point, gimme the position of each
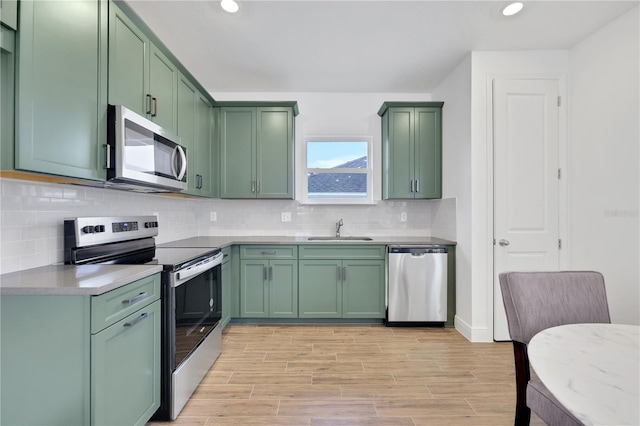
(185, 275)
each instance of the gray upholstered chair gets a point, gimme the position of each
(535, 301)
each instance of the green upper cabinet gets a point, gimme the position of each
(411, 150)
(257, 149)
(62, 88)
(206, 182)
(141, 77)
(195, 128)
(9, 13)
(7, 89)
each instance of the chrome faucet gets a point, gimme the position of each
(338, 226)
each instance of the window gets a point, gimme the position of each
(338, 170)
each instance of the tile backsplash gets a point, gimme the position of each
(31, 225)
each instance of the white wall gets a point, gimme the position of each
(604, 161)
(455, 91)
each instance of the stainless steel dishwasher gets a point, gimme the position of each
(417, 285)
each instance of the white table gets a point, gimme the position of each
(592, 369)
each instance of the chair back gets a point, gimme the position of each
(535, 301)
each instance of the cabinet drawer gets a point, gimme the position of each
(114, 305)
(342, 251)
(268, 252)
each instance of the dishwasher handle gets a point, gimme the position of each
(416, 250)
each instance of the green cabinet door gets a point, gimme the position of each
(399, 153)
(62, 89)
(187, 104)
(320, 288)
(125, 369)
(128, 63)
(7, 100)
(205, 180)
(363, 289)
(283, 288)
(238, 147)
(411, 150)
(428, 152)
(254, 296)
(163, 90)
(274, 156)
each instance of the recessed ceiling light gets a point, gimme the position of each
(512, 8)
(229, 5)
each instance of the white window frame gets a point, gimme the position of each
(338, 200)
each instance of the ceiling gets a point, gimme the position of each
(356, 45)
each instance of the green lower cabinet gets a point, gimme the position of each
(125, 366)
(268, 288)
(81, 360)
(342, 288)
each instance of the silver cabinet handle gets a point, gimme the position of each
(265, 273)
(503, 242)
(411, 186)
(339, 273)
(270, 273)
(136, 299)
(135, 321)
(155, 106)
(417, 185)
(108, 162)
(253, 186)
(269, 253)
(258, 186)
(344, 273)
(149, 101)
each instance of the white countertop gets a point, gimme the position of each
(73, 279)
(592, 369)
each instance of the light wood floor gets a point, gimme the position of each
(354, 375)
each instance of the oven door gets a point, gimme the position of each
(192, 339)
(197, 310)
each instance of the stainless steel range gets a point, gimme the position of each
(191, 295)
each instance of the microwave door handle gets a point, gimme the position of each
(183, 162)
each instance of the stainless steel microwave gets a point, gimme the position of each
(142, 156)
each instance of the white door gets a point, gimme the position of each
(526, 187)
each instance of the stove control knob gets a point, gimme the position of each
(99, 228)
(88, 229)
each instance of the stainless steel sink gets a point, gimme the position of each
(339, 239)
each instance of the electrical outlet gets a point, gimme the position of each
(286, 216)
(403, 217)
(213, 216)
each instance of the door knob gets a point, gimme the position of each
(503, 242)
